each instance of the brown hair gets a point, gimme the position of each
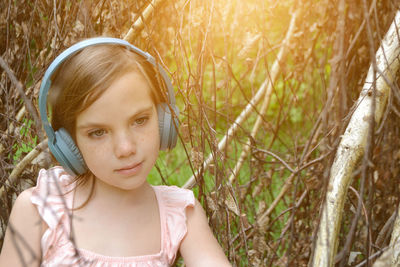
(85, 76)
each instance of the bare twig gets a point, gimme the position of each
(265, 87)
(27, 101)
(22, 164)
(267, 97)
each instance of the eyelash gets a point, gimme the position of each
(97, 133)
(141, 121)
(94, 133)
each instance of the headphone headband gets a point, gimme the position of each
(46, 81)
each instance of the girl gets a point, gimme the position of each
(109, 119)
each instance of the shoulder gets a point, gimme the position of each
(22, 239)
(200, 247)
(23, 208)
(23, 204)
(24, 199)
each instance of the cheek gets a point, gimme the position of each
(92, 153)
(151, 143)
(152, 136)
(97, 160)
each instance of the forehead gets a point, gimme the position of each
(114, 72)
(125, 96)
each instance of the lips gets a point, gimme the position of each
(131, 169)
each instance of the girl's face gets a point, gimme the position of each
(118, 134)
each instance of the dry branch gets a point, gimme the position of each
(138, 25)
(11, 128)
(28, 104)
(22, 164)
(391, 256)
(267, 98)
(395, 242)
(227, 138)
(353, 143)
(263, 91)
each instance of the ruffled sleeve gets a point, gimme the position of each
(174, 201)
(53, 199)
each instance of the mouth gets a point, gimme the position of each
(130, 169)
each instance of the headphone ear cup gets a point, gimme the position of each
(71, 156)
(167, 128)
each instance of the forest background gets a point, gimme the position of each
(265, 88)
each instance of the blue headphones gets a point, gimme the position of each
(61, 143)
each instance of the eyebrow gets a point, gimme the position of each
(98, 125)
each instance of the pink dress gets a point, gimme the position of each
(53, 193)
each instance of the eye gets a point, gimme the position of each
(141, 120)
(97, 133)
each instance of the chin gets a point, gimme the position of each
(131, 185)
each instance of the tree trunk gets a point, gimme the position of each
(353, 144)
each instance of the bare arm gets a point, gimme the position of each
(199, 247)
(21, 245)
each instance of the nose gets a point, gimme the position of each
(124, 145)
